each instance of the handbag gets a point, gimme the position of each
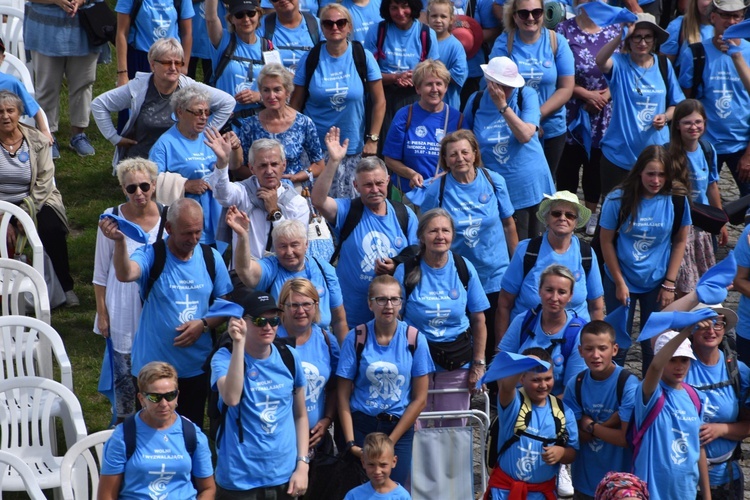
(320, 241)
(454, 354)
(99, 23)
(708, 218)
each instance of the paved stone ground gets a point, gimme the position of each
(729, 192)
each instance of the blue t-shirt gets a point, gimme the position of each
(383, 382)
(241, 73)
(523, 166)
(541, 68)
(484, 16)
(319, 358)
(367, 492)
(304, 5)
(672, 46)
(419, 147)
(478, 215)
(273, 276)
(523, 460)
(701, 174)
(192, 159)
(564, 370)
(292, 43)
(742, 254)
(336, 96)
(375, 237)
(526, 289)
(402, 49)
(156, 19)
(180, 294)
(437, 306)
(453, 55)
(723, 95)
(201, 42)
(642, 251)
(364, 17)
(638, 94)
(13, 84)
(160, 466)
(668, 458)
(721, 406)
(599, 401)
(268, 454)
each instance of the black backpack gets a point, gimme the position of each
(458, 260)
(424, 38)
(622, 379)
(313, 59)
(269, 27)
(160, 258)
(228, 55)
(532, 254)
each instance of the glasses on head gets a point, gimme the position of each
(177, 64)
(525, 13)
(382, 301)
(261, 321)
(559, 213)
(305, 306)
(329, 24)
(689, 124)
(245, 13)
(731, 16)
(199, 112)
(144, 186)
(642, 38)
(156, 397)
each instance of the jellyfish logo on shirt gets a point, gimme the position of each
(527, 463)
(723, 102)
(385, 381)
(161, 27)
(315, 382)
(202, 10)
(157, 489)
(375, 245)
(642, 245)
(679, 448)
(596, 445)
(268, 417)
(645, 117)
(500, 149)
(191, 307)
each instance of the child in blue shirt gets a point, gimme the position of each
(378, 459)
(452, 54)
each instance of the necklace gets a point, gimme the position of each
(637, 78)
(11, 147)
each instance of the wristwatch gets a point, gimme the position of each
(206, 329)
(590, 428)
(304, 459)
(373, 137)
(274, 216)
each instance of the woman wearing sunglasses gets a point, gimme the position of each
(160, 446)
(146, 97)
(336, 69)
(239, 74)
(546, 62)
(267, 455)
(384, 387)
(118, 304)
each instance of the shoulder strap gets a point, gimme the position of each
(226, 57)
(678, 201)
(382, 28)
(463, 270)
(693, 396)
(519, 99)
(312, 27)
(210, 262)
(441, 191)
(408, 116)
(116, 210)
(411, 338)
(475, 104)
(269, 25)
(698, 52)
(638, 433)
(570, 335)
(424, 36)
(189, 435)
(409, 266)
(359, 344)
(527, 329)
(287, 358)
(311, 64)
(622, 380)
(128, 434)
(558, 414)
(511, 36)
(160, 258)
(164, 210)
(664, 70)
(708, 150)
(352, 219)
(403, 217)
(586, 258)
(325, 276)
(136, 8)
(579, 387)
(531, 255)
(360, 61)
(553, 41)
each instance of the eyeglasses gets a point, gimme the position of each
(144, 186)
(305, 306)
(329, 24)
(559, 213)
(382, 301)
(177, 64)
(642, 38)
(245, 13)
(156, 397)
(525, 13)
(731, 16)
(719, 326)
(199, 112)
(261, 322)
(688, 124)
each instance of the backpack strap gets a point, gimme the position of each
(462, 269)
(116, 210)
(424, 36)
(570, 336)
(694, 397)
(352, 219)
(160, 259)
(164, 210)
(226, 57)
(475, 103)
(678, 201)
(129, 435)
(579, 388)
(708, 151)
(188, 433)
(288, 358)
(586, 259)
(531, 255)
(411, 338)
(698, 52)
(379, 54)
(359, 344)
(664, 70)
(527, 329)
(402, 215)
(638, 433)
(312, 27)
(408, 117)
(269, 25)
(409, 266)
(523, 420)
(622, 380)
(210, 262)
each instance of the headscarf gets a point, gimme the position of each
(617, 485)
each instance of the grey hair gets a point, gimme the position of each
(557, 203)
(176, 208)
(164, 47)
(415, 275)
(264, 145)
(290, 229)
(6, 96)
(370, 164)
(278, 71)
(560, 271)
(133, 165)
(185, 96)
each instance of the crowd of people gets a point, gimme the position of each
(392, 185)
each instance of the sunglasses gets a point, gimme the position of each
(245, 13)
(329, 24)
(568, 215)
(199, 112)
(156, 397)
(144, 186)
(177, 64)
(261, 322)
(525, 13)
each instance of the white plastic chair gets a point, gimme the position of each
(25, 426)
(79, 471)
(15, 67)
(11, 31)
(8, 462)
(16, 4)
(7, 212)
(13, 284)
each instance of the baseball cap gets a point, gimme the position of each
(243, 5)
(256, 303)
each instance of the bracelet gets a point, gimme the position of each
(502, 111)
(667, 279)
(350, 445)
(668, 288)
(121, 71)
(310, 176)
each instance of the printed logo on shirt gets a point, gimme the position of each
(202, 10)
(315, 382)
(596, 445)
(268, 420)
(158, 487)
(710, 411)
(385, 383)
(645, 116)
(471, 233)
(191, 307)
(642, 245)
(436, 325)
(421, 131)
(532, 75)
(375, 245)
(338, 93)
(527, 463)
(161, 27)
(679, 449)
(500, 149)
(723, 102)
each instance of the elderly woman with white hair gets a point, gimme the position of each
(182, 150)
(289, 261)
(147, 98)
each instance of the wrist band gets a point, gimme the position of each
(667, 279)
(120, 71)
(502, 111)
(668, 288)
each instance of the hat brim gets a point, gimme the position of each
(241, 7)
(660, 34)
(472, 25)
(730, 317)
(584, 213)
(516, 82)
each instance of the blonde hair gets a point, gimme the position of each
(156, 370)
(509, 12)
(134, 165)
(430, 67)
(304, 287)
(376, 444)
